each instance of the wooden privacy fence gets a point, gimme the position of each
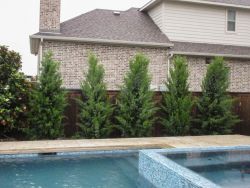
(241, 108)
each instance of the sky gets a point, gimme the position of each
(20, 18)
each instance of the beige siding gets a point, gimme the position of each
(157, 16)
(202, 23)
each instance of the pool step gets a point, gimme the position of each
(133, 161)
(126, 163)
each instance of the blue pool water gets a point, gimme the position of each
(225, 168)
(71, 171)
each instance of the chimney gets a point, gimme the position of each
(50, 15)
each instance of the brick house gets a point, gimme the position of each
(199, 29)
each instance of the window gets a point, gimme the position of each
(231, 20)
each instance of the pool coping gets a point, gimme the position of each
(29, 147)
(81, 149)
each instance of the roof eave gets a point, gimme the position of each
(149, 5)
(210, 54)
(34, 45)
(34, 41)
(154, 2)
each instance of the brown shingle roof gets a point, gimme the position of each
(212, 49)
(234, 2)
(131, 25)
(135, 26)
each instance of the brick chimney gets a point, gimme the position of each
(50, 16)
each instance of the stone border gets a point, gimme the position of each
(55, 146)
(165, 173)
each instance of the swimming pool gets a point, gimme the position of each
(208, 168)
(73, 170)
(164, 168)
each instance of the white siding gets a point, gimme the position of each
(157, 16)
(201, 23)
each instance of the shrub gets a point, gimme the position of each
(14, 93)
(177, 101)
(47, 102)
(136, 108)
(95, 109)
(214, 108)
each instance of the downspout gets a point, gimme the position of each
(40, 56)
(170, 56)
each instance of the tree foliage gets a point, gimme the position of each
(214, 108)
(177, 101)
(136, 108)
(95, 108)
(14, 92)
(47, 102)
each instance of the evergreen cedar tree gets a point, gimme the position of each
(95, 108)
(177, 101)
(135, 106)
(214, 107)
(47, 102)
(14, 92)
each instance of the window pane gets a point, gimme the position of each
(231, 26)
(231, 16)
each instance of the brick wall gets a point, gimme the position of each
(115, 60)
(239, 74)
(50, 15)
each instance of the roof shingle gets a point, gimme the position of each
(233, 2)
(131, 25)
(213, 49)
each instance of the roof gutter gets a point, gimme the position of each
(154, 2)
(210, 54)
(34, 39)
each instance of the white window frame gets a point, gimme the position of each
(227, 31)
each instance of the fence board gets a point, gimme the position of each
(241, 108)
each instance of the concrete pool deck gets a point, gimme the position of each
(124, 143)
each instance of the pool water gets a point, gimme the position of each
(227, 169)
(72, 172)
